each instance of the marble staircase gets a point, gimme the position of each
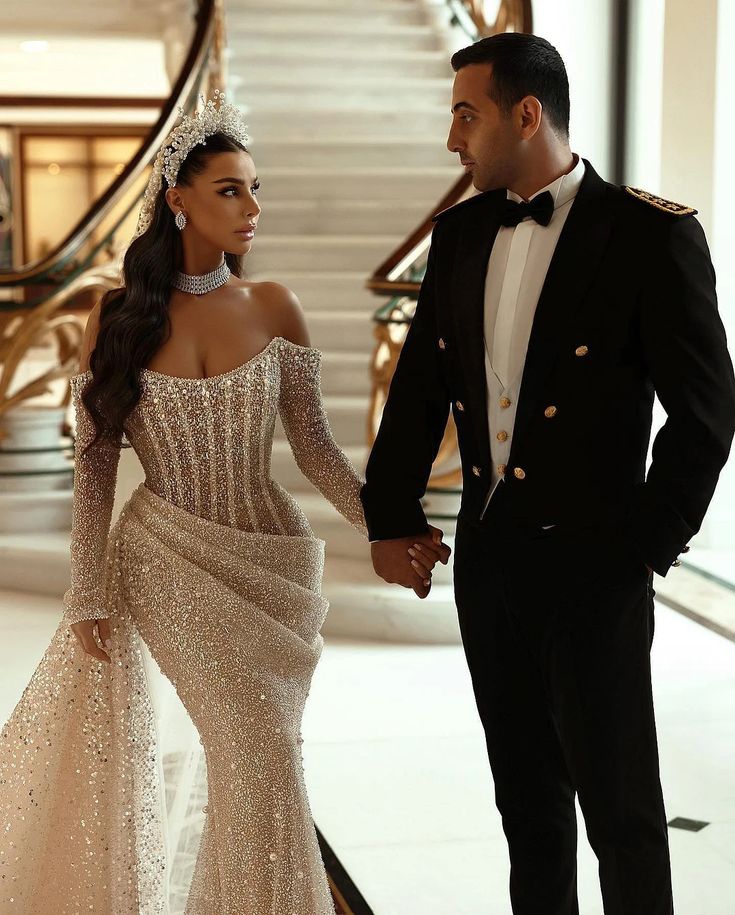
(348, 106)
(350, 162)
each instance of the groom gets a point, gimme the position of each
(554, 305)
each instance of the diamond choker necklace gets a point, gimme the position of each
(199, 285)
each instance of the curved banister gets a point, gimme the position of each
(63, 275)
(513, 16)
(182, 92)
(387, 277)
(59, 279)
(399, 276)
(470, 16)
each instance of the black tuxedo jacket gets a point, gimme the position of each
(628, 308)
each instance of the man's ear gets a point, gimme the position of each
(530, 112)
(174, 200)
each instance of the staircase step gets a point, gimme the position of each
(342, 290)
(322, 93)
(340, 172)
(36, 510)
(349, 331)
(37, 562)
(347, 415)
(323, 33)
(366, 124)
(388, 185)
(346, 372)
(348, 106)
(344, 541)
(285, 471)
(336, 6)
(292, 18)
(396, 63)
(363, 606)
(340, 217)
(380, 152)
(324, 105)
(320, 252)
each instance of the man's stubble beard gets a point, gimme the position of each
(483, 185)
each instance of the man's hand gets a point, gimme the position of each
(409, 561)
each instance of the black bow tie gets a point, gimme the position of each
(541, 209)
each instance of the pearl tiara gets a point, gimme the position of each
(217, 116)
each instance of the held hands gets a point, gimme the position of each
(409, 561)
(84, 632)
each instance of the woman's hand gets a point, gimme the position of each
(424, 556)
(84, 632)
(423, 551)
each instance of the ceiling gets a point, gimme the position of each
(43, 19)
(125, 49)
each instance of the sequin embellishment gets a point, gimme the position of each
(208, 544)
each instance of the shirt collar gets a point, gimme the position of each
(563, 189)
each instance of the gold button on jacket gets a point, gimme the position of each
(504, 402)
(502, 436)
(459, 405)
(476, 471)
(581, 350)
(501, 469)
(549, 412)
(442, 344)
(520, 473)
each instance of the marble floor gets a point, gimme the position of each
(399, 783)
(718, 563)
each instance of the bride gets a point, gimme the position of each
(210, 562)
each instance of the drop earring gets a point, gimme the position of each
(180, 220)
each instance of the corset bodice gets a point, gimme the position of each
(205, 443)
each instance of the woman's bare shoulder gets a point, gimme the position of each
(284, 311)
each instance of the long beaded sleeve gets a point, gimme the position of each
(317, 454)
(95, 476)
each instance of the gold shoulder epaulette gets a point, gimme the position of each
(660, 203)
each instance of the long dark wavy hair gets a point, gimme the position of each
(134, 319)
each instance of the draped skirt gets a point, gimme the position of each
(232, 620)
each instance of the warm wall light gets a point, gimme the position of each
(34, 47)
(54, 168)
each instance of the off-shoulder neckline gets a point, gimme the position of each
(233, 371)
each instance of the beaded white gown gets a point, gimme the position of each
(216, 568)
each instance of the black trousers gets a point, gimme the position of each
(557, 628)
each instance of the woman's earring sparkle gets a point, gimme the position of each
(180, 220)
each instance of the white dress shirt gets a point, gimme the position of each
(516, 272)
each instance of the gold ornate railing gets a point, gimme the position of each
(511, 16)
(69, 270)
(399, 276)
(21, 331)
(192, 74)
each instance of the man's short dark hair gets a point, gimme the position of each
(522, 65)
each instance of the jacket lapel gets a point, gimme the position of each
(474, 244)
(571, 273)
